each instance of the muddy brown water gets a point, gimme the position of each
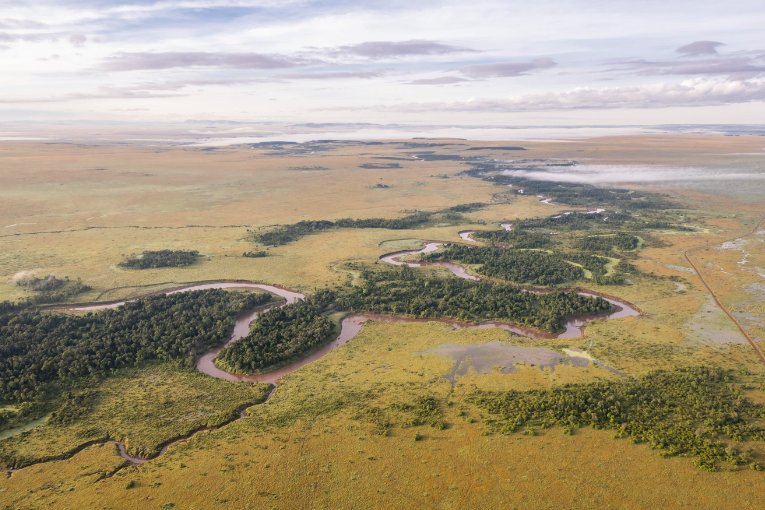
(351, 326)
(484, 358)
(456, 269)
(573, 328)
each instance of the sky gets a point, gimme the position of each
(562, 62)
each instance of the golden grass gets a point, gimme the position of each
(142, 407)
(315, 444)
(310, 447)
(93, 255)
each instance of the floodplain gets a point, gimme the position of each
(409, 412)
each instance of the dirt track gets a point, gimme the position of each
(722, 307)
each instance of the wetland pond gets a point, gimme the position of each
(351, 325)
(480, 358)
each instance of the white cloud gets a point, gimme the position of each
(554, 56)
(693, 92)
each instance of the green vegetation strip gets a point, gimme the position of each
(161, 258)
(407, 291)
(697, 412)
(281, 334)
(288, 233)
(39, 348)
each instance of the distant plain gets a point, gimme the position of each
(77, 211)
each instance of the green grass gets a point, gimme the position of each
(144, 407)
(698, 412)
(305, 448)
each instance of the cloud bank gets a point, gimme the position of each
(169, 60)
(697, 48)
(616, 174)
(396, 49)
(504, 69)
(693, 92)
(393, 62)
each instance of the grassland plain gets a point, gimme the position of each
(317, 443)
(142, 407)
(314, 446)
(305, 264)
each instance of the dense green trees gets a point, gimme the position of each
(619, 241)
(161, 258)
(281, 334)
(685, 411)
(407, 291)
(516, 237)
(415, 220)
(572, 193)
(288, 233)
(593, 263)
(522, 266)
(38, 348)
(577, 221)
(285, 234)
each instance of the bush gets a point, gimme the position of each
(51, 289)
(686, 411)
(161, 258)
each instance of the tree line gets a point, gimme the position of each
(160, 258)
(619, 241)
(516, 237)
(408, 292)
(285, 234)
(696, 411)
(40, 348)
(281, 334)
(521, 266)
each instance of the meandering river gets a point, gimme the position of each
(351, 325)
(349, 328)
(573, 327)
